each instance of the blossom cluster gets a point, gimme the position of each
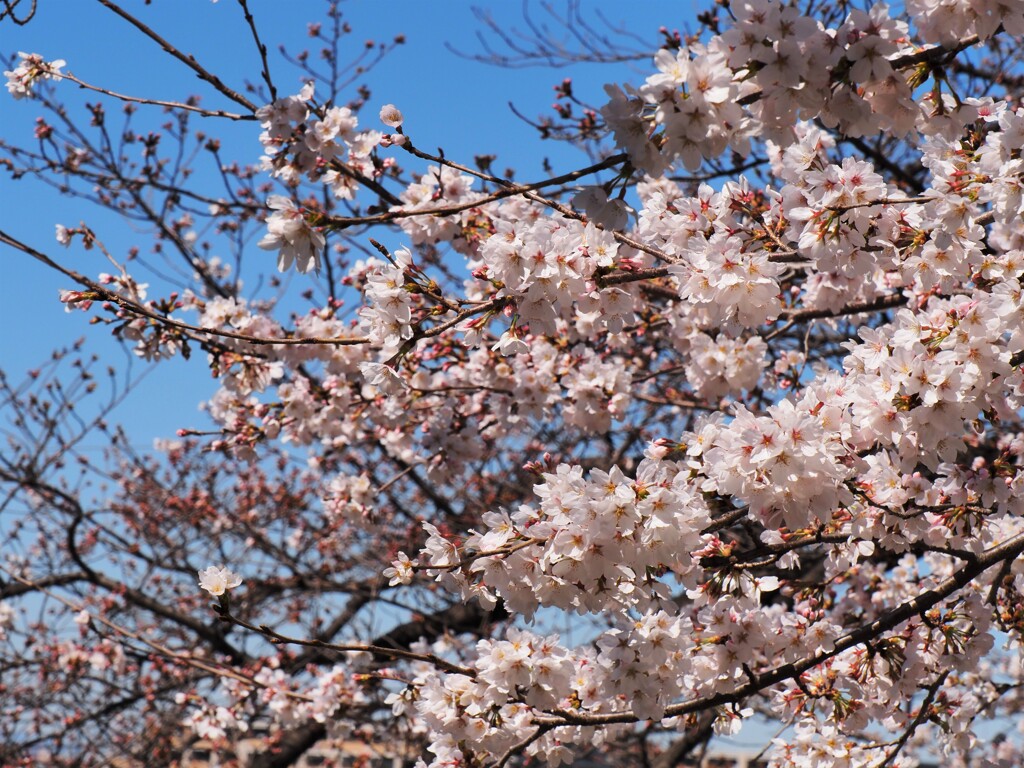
(324, 146)
(30, 70)
(824, 359)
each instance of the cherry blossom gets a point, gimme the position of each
(217, 580)
(31, 69)
(722, 427)
(289, 233)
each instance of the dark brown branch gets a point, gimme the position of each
(188, 60)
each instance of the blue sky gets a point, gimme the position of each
(448, 101)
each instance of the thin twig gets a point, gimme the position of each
(376, 650)
(154, 102)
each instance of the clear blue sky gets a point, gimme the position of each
(448, 102)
